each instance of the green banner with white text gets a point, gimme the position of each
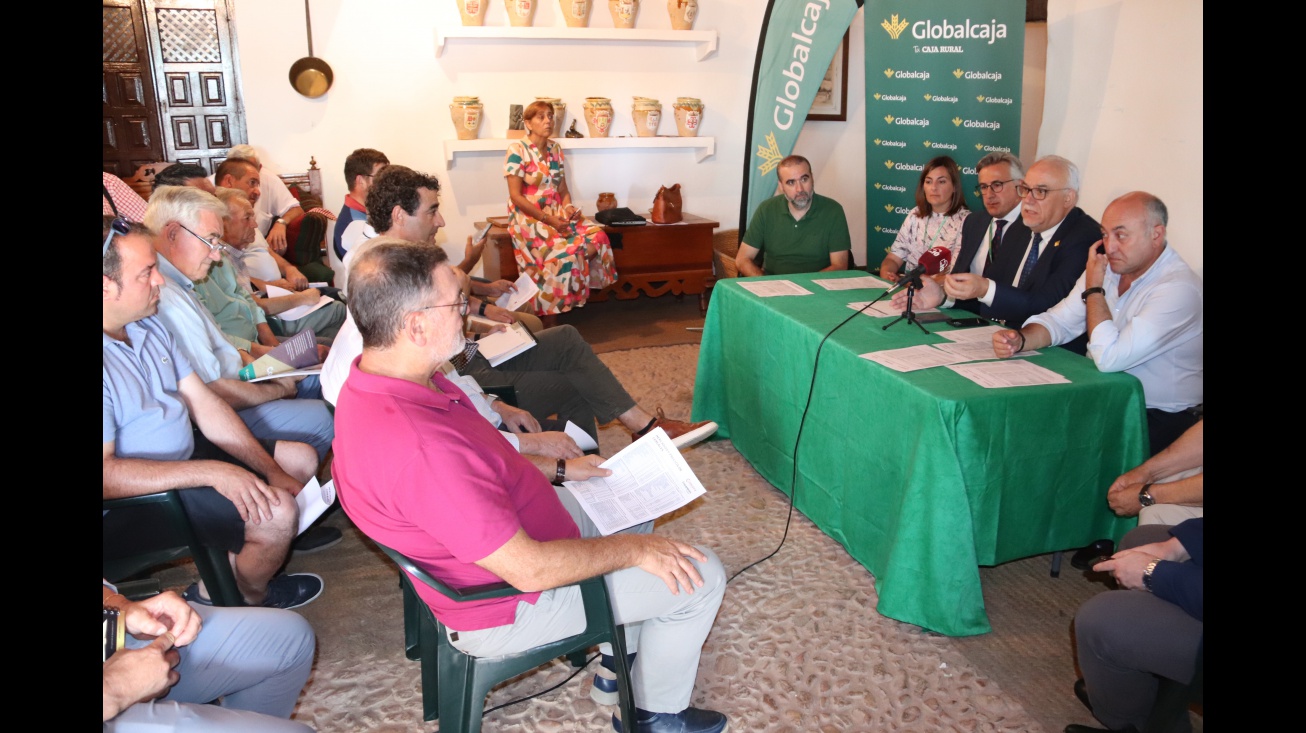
(943, 77)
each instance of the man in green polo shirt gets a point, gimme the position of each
(797, 231)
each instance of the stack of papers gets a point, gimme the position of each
(501, 346)
(299, 311)
(649, 478)
(853, 283)
(772, 288)
(524, 290)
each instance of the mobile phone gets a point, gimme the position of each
(480, 233)
(967, 322)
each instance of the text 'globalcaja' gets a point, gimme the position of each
(783, 113)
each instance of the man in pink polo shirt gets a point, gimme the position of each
(419, 470)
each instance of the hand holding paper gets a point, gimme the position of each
(526, 290)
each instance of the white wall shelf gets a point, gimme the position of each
(705, 42)
(702, 146)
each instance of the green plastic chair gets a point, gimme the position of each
(211, 562)
(454, 684)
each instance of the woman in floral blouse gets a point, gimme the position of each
(936, 220)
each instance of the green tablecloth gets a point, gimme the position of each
(923, 476)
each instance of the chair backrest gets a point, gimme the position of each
(308, 182)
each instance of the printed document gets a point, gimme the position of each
(983, 334)
(523, 290)
(299, 311)
(853, 283)
(1019, 373)
(772, 288)
(912, 358)
(313, 500)
(975, 350)
(886, 309)
(649, 478)
(582, 438)
(501, 346)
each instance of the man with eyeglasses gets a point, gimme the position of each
(238, 491)
(1001, 273)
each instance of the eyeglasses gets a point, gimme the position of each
(212, 247)
(462, 305)
(1039, 193)
(996, 186)
(118, 226)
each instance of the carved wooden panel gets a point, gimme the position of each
(137, 132)
(219, 134)
(119, 37)
(178, 89)
(211, 89)
(189, 36)
(184, 135)
(130, 119)
(131, 88)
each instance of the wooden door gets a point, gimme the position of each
(131, 115)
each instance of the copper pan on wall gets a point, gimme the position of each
(311, 76)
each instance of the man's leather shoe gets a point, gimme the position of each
(1085, 557)
(1081, 692)
(689, 720)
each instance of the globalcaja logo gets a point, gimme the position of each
(939, 146)
(891, 143)
(940, 98)
(888, 208)
(889, 97)
(893, 26)
(914, 121)
(888, 164)
(985, 75)
(991, 32)
(770, 155)
(993, 100)
(900, 74)
(985, 124)
(992, 148)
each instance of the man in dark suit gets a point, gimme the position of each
(1021, 279)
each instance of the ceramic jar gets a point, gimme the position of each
(520, 12)
(559, 111)
(598, 116)
(607, 200)
(689, 113)
(466, 115)
(473, 11)
(682, 13)
(623, 12)
(576, 12)
(647, 113)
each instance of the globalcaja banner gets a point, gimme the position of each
(798, 42)
(943, 77)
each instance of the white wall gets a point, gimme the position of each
(1126, 129)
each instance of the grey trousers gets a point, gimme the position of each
(256, 659)
(560, 375)
(1126, 638)
(667, 630)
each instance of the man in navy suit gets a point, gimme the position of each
(1013, 280)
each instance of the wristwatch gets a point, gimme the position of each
(283, 223)
(1145, 495)
(1090, 291)
(1147, 574)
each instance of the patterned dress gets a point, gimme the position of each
(918, 235)
(555, 260)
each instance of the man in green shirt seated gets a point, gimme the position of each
(797, 231)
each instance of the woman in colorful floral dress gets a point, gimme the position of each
(935, 222)
(562, 251)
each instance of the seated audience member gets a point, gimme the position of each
(225, 278)
(361, 167)
(308, 239)
(238, 491)
(121, 199)
(1126, 639)
(184, 174)
(409, 447)
(178, 657)
(276, 207)
(797, 231)
(1037, 261)
(523, 431)
(187, 224)
(934, 222)
(266, 266)
(560, 375)
(1142, 314)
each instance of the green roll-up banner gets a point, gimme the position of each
(799, 39)
(943, 77)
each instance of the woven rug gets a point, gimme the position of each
(798, 645)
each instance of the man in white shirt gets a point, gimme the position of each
(1141, 307)
(277, 207)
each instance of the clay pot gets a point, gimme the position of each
(647, 113)
(466, 115)
(598, 116)
(682, 13)
(606, 201)
(623, 12)
(520, 12)
(576, 12)
(473, 11)
(689, 113)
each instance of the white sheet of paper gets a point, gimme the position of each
(319, 285)
(772, 288)
(885, 309)
(298, 312)
(649, 478)
(514, 299)
(963, 335)
(313, 500)
(1009, 373)
(582, 438)
(853, 283)
(501, 346)
(305, 372)
(975, 350)
(912, 358)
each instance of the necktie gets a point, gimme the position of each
(997, 234)
(1030, 261)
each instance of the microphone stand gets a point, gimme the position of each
(909, 314)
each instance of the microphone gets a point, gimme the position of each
(934, 261)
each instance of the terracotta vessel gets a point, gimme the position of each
(623, 12)
(689, 113)
(647, 113)
(520, 12)
(606, 201)
(466, 115)
(473, 11)
(682, 13)
(576, 12)
(598, 116)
